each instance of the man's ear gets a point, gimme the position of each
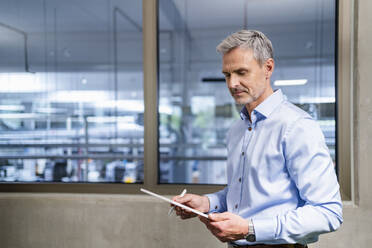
(269, 67)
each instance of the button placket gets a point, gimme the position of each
(247, 138)
(239, 183)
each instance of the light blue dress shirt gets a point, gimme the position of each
(280, 175)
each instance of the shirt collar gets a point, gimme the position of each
(244, 113)
(267, 106)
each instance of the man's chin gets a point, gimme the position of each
(243, 101)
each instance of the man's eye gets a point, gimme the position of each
(227, 75)
(241, 73)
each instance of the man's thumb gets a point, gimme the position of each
(182, 199)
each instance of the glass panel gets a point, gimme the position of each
(195, 106)
(71, 91)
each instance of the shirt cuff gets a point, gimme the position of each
(214, 203)
(265, 228)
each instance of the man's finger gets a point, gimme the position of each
(204, 220)
(178, 209)
(218, 217)
(182, 199)
(218, 234)
(211, 227)
(216, 225)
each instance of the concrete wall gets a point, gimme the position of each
(75, 220)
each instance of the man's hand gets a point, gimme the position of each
(226, 226)
(197, 202)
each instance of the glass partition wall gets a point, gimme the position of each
(195, 107)
(71, 91)
(71, 84)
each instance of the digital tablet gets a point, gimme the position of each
(174, 203)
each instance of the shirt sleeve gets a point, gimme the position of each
(311, 169)
(217, 201)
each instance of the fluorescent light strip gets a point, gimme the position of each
(20, 116)
(12, 107)
(304, 99)
(290, 82)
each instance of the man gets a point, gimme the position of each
(282, 188)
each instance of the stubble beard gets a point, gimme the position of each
(246, 98)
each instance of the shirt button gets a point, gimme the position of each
(236, 206)
(215, 207)
(249, 129)
(242, 153)
(240, 179)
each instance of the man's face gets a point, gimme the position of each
(248, 82)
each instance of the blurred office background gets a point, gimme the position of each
(71, 84)
(72, 111)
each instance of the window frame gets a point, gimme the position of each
(345, 77)
(345, 97)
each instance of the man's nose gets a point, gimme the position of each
(233, 81)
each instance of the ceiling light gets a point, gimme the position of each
(290, 82)
(51, 110)
(21, 83)
(12, 107)
(304, 99)
(90, 96)
(19, 116)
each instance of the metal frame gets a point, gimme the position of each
(345, 117)
(345, 96)
(25, 47)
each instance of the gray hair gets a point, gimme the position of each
(249, 39)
